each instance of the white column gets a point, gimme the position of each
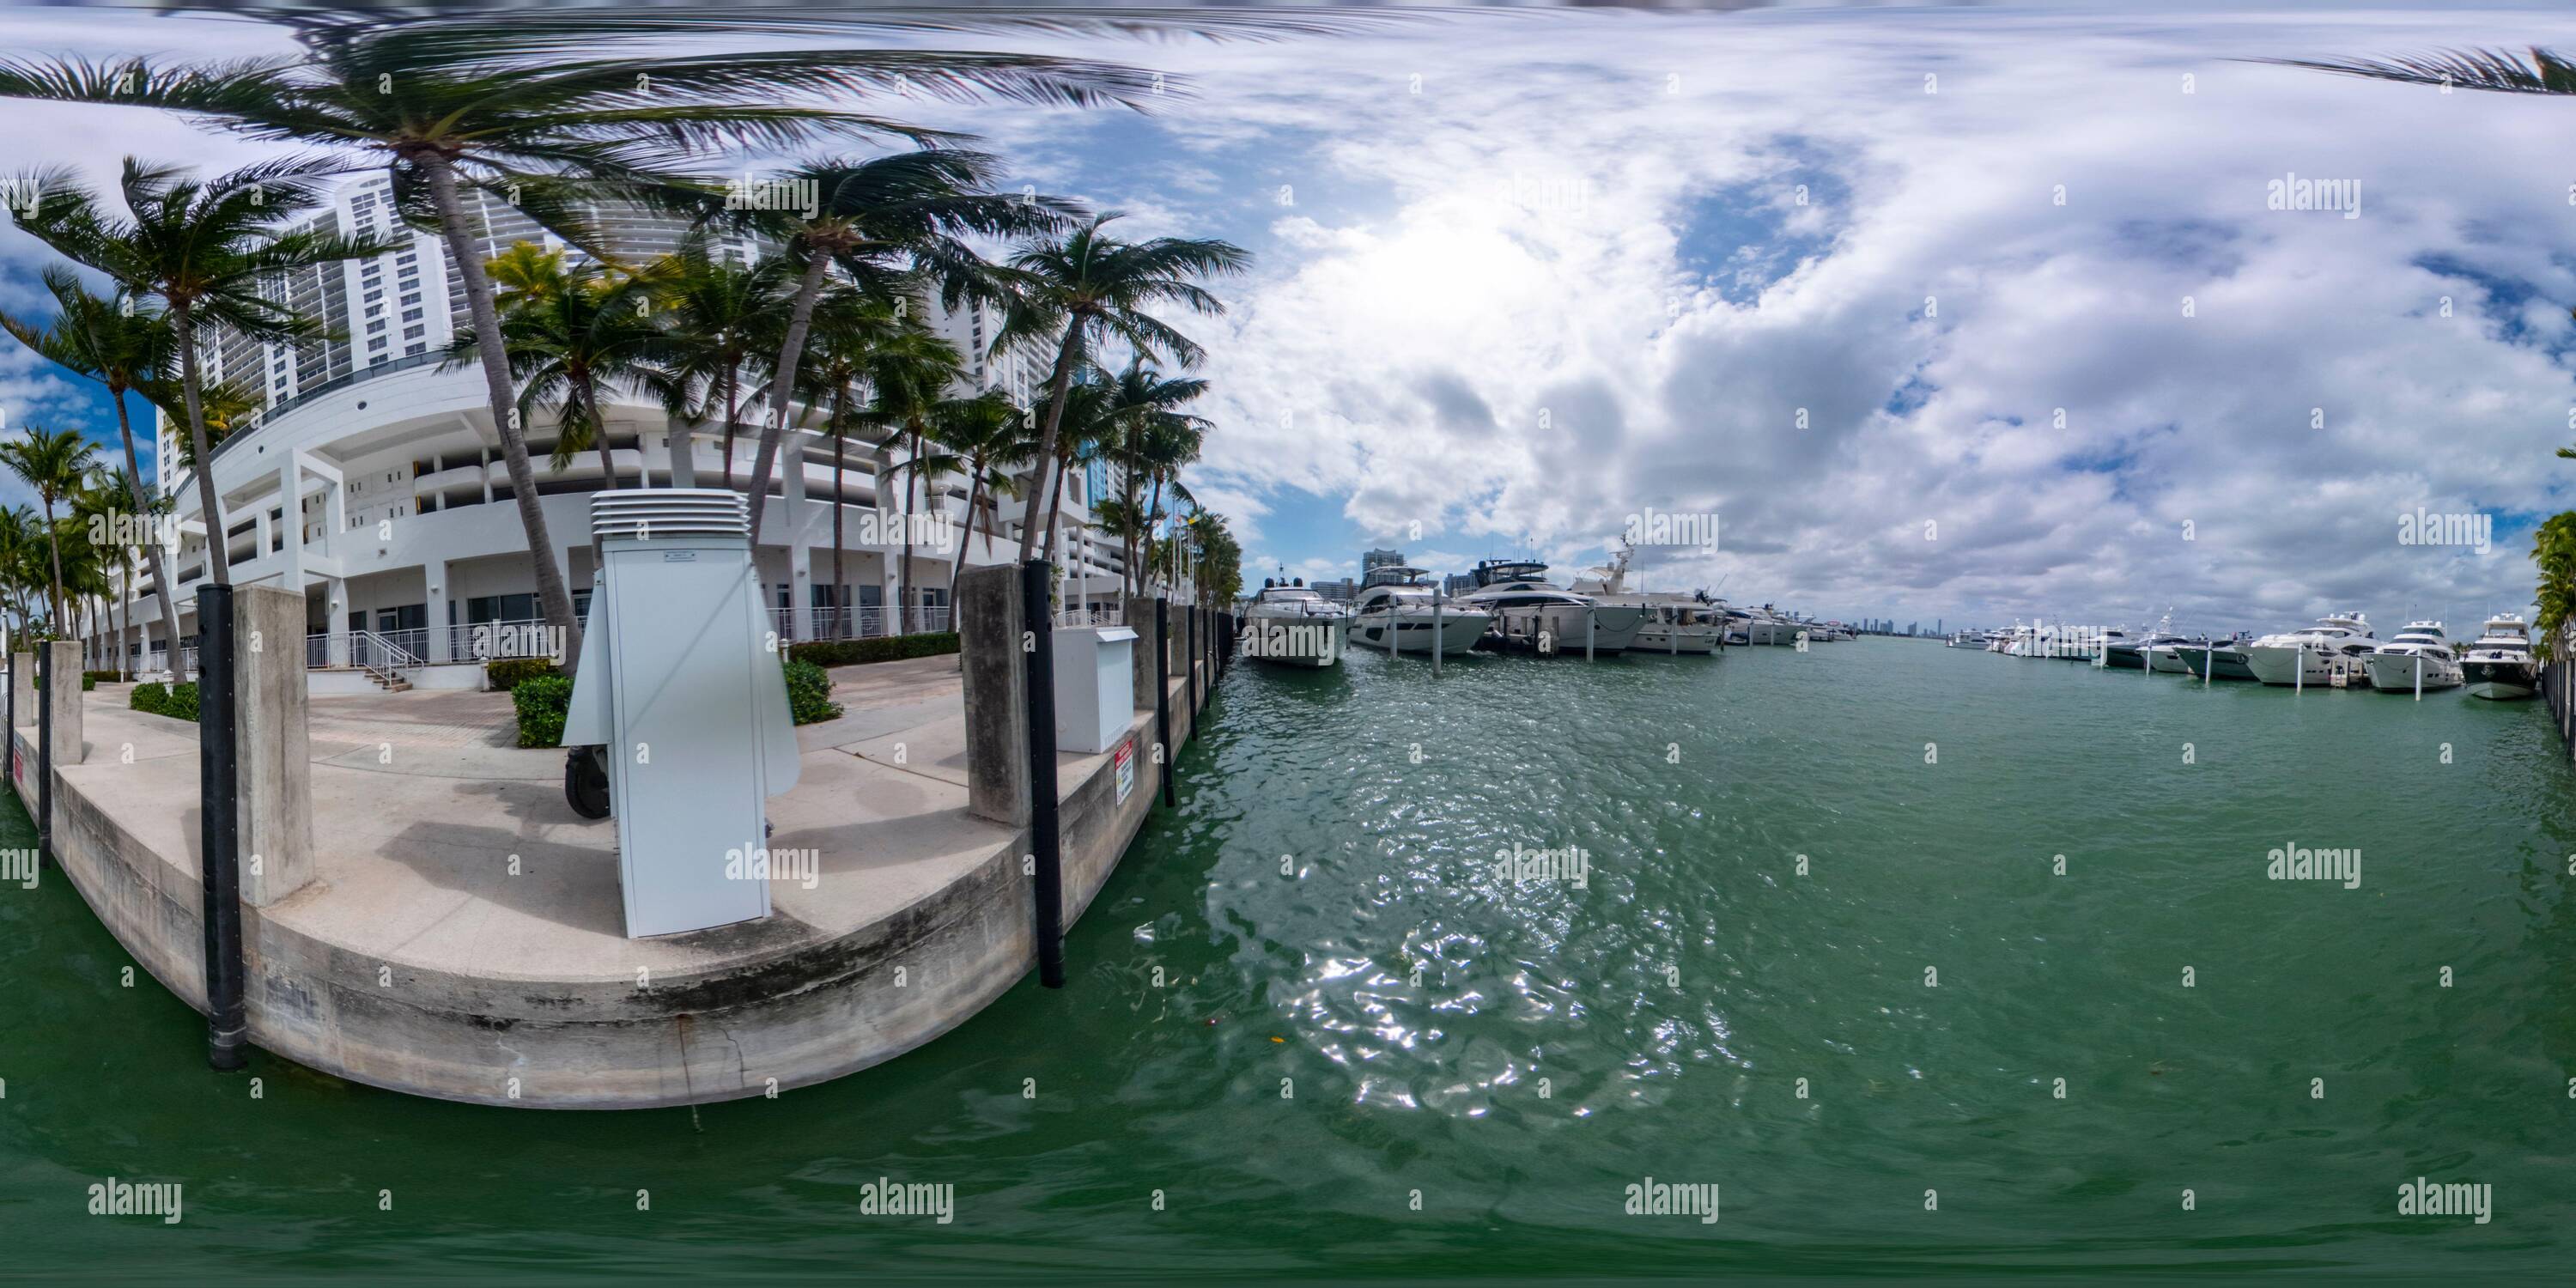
(436, 610)
(683, 450)
(336, 626)
(291, 512)
(800, 554)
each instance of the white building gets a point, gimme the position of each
(374, 480)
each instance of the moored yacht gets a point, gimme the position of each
(2499, 662)
(1402, 604)
(2417, 659)
(2338, 645)
(2218, 660)
(1533, 615)
(1677, 623)
(1290, 625)
(2162, 652)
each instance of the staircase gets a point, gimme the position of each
(382, 661)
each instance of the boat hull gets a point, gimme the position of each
(1294, 641)
(2502, 681)
(2398, 673)
(1457, 631)
(2229, 663)
(2124, 657)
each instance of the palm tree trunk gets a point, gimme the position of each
(1055, 510)
(54, 546)
(799, 319)
(1056, 386)
(143, 509)
(1155, 508)
(733, 415)
(183, 328)
(552, 596)
(974, 493)
(599, 431)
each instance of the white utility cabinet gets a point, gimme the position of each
(678, 682)
(1095, 686)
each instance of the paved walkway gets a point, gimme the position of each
(440, 845)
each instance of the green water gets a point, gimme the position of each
(1436, 1086)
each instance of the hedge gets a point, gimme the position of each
(809, 693)
(149, 696)
(883, 648)
(109, 676)
(182, 703)
(89, 681)
(504, 676)
(541, 701)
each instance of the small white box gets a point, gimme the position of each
(1095, 686)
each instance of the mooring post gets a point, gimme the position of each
(17, 676)
(1591, 623)
(1439, 636)
(1038, 645)
(45, 756)
(1192, 613)
(219, 824)
(996, 692)
(1163, 696)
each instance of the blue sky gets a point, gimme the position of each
(1972, 314)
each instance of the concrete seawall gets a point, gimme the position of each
(438, 955)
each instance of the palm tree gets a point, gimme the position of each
(716, 315)
(847, 328)
(205, 248)
(95, 509)
(991, 441)
(906, 373)
(1146, 404)
(124, 348)
(54, 462)
(889, 223)
(538, 112)
(1090, 288)
(17, 555)
(1086, 424)
(568, 333)
(225, 405)
(1170, 444)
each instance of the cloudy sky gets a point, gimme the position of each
(1957, 313)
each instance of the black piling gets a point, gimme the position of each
(1163, 696)
(219, 794)
(44, 753)
(1192, 613)
(1037, 620)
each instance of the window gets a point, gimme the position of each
(413, 298)
(415, 350)
(504, 608)
(414, 332)
(411, 315)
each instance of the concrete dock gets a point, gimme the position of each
(462, 933)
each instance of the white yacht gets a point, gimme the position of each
(2499, 662)
(2162, 652)
(1533, 615)
(2419, 658)
(1677, 623)
(1401, 603)
(2339, 644)
(1292, 626)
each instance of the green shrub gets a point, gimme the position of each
(541, 701)
(109, 676)
(182, 703)
(504, 676)
(884, 648)
(150, 697)
(809, 693)
(89, 681)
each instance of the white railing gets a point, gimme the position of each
(1096, 615)
(380, 657)
(862, 623)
